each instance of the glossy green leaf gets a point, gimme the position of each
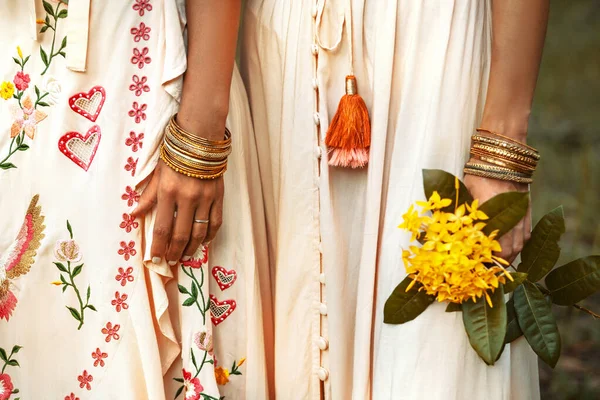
(77, 270)
(504, 211)
(445, 184)
(7, 165)
(574, 281)
(44, 56)
(403, 306)
(178, 392)
(91, 307)
(62, 14)
(188, 302)
(182, 289)
(194, 290)
(518, 278)
(513, 330)
(16, 349)
(13, 363)
(3, 355)
(542, 251)
(70, 229)
(537, 322)
(61, 267)
(89, 292)
(48, 7)
(180, 380)
(453, 307)
(486, 326)
(74, 313)
(23, 147)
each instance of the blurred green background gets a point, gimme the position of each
(565, 127)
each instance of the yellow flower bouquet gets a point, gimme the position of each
(453, 261)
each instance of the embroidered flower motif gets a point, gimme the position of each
(111, 332)
(141, 6)
(135, 141)
(129, 223)
(71, 397)
(119, 302)
(127, 250)
(67, 250)
(141, 33)
(141, 57)
(137, 112)
(131, 196)
(124, 275)
(197, 262)
(7, 89)
(84, 380)
(26, 118)
(131, 165)
(8, 301)
(204, 340)
(192, 387)
(222, 375)
(6, 387)
(99, 357)
(139, 85)
(54, 89)
(21, 80)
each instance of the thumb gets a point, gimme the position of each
(148, 198)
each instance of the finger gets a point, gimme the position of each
(148, 197)
(506, 242)
(517, 241)
(181, 232)
(527, 226)
(199, 230)
(216, 214)
(162, 226)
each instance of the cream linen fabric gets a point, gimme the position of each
(422, 69)
(141, 333)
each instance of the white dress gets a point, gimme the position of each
(422, 68)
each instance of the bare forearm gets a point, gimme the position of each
(519, 30)
(212, 36)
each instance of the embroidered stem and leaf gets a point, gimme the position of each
(8, 360)
(55, 15)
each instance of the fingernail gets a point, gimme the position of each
(172, 263)
(186, 258)
(156, 260)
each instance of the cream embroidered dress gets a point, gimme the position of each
(86, 90)
(421, 66)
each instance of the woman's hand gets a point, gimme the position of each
(180, 200)
(486, 188)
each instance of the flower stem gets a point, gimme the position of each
(81, 307)
(203, 306)
(51, 54)
(201, 364)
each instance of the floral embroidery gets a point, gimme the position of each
(51, 22)
(125, 276)
(131, 196)
(7, 90)
(127, 250)
(137, 112)
(21, 80)
(68, 251)
(191, 387)
(135, 141)
(222, 375)
(111, 332)
(141, 57)
(119, 302)
(6, 385)
(53, 89)
(141, 6)
(84, 380)
(129, 223)
(71, 397)
(143, 32)
(26, 118)
(131, 165)
(88, 104)
(99, 357)
(19, 256)
(139, 85)
(204, 340)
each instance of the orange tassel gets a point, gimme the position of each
(349, 135)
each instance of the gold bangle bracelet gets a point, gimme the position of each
(191, 172)
(506, 138)
(496, 169)
(503, 162)
(498, 176)
(505, 154)
(211, 143)
(478, 138)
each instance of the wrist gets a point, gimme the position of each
(513, 126)
(203, 122)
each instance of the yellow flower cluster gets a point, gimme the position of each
(455, 263)
(7, 89)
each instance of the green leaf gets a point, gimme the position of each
(513, 330)
(43, 104)
(518, 278)
(91, 307)
(70, 229)
(23, 147)
(62, 14)
(25, 60)
(74, 313)
(44, 56)
(486, 326)
(16, 349)
(15, 391)
(194, 290)
(61, 267)
(17, 61)
(19, 140)
(453, 307)
(574, 281)
(180, 380)
(7, 166)
(3, 355)
(89, 292)
(13, 363)
(194, 359)
(62, 53)
(77, 270)
(541, 252)
(445, 184)
(536, 320)
(48, 7)
(64, 288)
(178, 392)
(505, 211)
(403, 306)
(188, 302)
(63, 280)
(44, 29)
(182, 289)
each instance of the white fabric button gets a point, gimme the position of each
(318, 152)
(323, 309)
(323, 374)
(317, 119)
(315, 10)
(322, 343)
(314, 49)
(315, 83)
(322, 278)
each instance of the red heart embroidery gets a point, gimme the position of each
(81, 149)
(88, 104)
(220, 310)
(225, 279)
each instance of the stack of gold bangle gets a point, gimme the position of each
(503, 158)
(193, 155)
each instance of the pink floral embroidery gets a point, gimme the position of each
(124, 275)
(131, 165)
(141, 6)
(137, 112)
(22, 80)
(192, 387)
(135, 141)
(98, 357)
(84, 380)
(141, 57)
(131, 196)
(139, 85)
(119, 302)
(129, 223)
(197, 262)
(71, 397)
(111, 332)
(6, 386)
(141, 33)
(127, 250)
